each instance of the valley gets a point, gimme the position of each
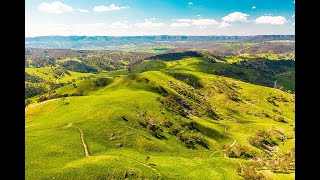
(223, 109)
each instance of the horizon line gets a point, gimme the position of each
(160, 35)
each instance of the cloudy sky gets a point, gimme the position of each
(159, 17)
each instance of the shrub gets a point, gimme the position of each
(281, 119)
(176, 105)
(241, 151)
(262, 139)
(209, 110)
(101, 82)
(173, 130)
(42, 98)
(78, 66)
(249, 173)
(190, 138)
(27, 102)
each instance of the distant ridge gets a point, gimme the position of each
(75, 42)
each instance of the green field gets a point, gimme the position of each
(221, 112)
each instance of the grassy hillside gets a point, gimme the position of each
(287, 79)
(163, 120)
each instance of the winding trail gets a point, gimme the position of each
(245, 49)
(86, 152)
(231, 145)
(146, 165)
(57, 80)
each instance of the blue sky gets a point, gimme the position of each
(159, 17)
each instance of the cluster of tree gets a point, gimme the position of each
(55, 95)
(192, 137)
(255, 71)
(265, 140)
(186, 131)
(78, 67)
(241, 151)
(250, 173)
(151, 124)
(98, 59)
(274, 99)
(190, 101)
(175, 55)
(32, 79)
(99, 82)
(176, 105)
(59, 72)
(229, 89)
(32, 90)
(282, 163)
(281, 66)
(42, 62)
(187, 92)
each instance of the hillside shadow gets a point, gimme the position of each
(211, 133)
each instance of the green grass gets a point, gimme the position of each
(54, 150)
(47, 74)
(274, 56)
(287, 79)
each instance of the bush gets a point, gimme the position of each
(152, 126)
(32, 79)
(27, 102)
(173, 130)
(262, 139)
(101, 82)
(42, 98)
(78, 66)
(209, 110)
(281, 119)
(190, 138)
(249, 173)
(176, 105)
(32, 90)
(241, 151)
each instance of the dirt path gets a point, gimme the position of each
(231, 145)
(146, 165)
(57, 80)
(86, 152)
(37, 104)
(245, 49)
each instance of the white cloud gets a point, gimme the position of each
(120, 25)
(293, 16)
(55, 7)
(199, 22)
(83, 10)
(151, 19)
(205, 22)
(180, 25)
(273, 20)
(198, 15)
(294, 2)
(190, 3)
(236, 16)
(149, 25)
(253, 7)
(224, 25)
(112, 7)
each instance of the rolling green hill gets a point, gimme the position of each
(162, 120)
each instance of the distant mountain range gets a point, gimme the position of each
(102, 42)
